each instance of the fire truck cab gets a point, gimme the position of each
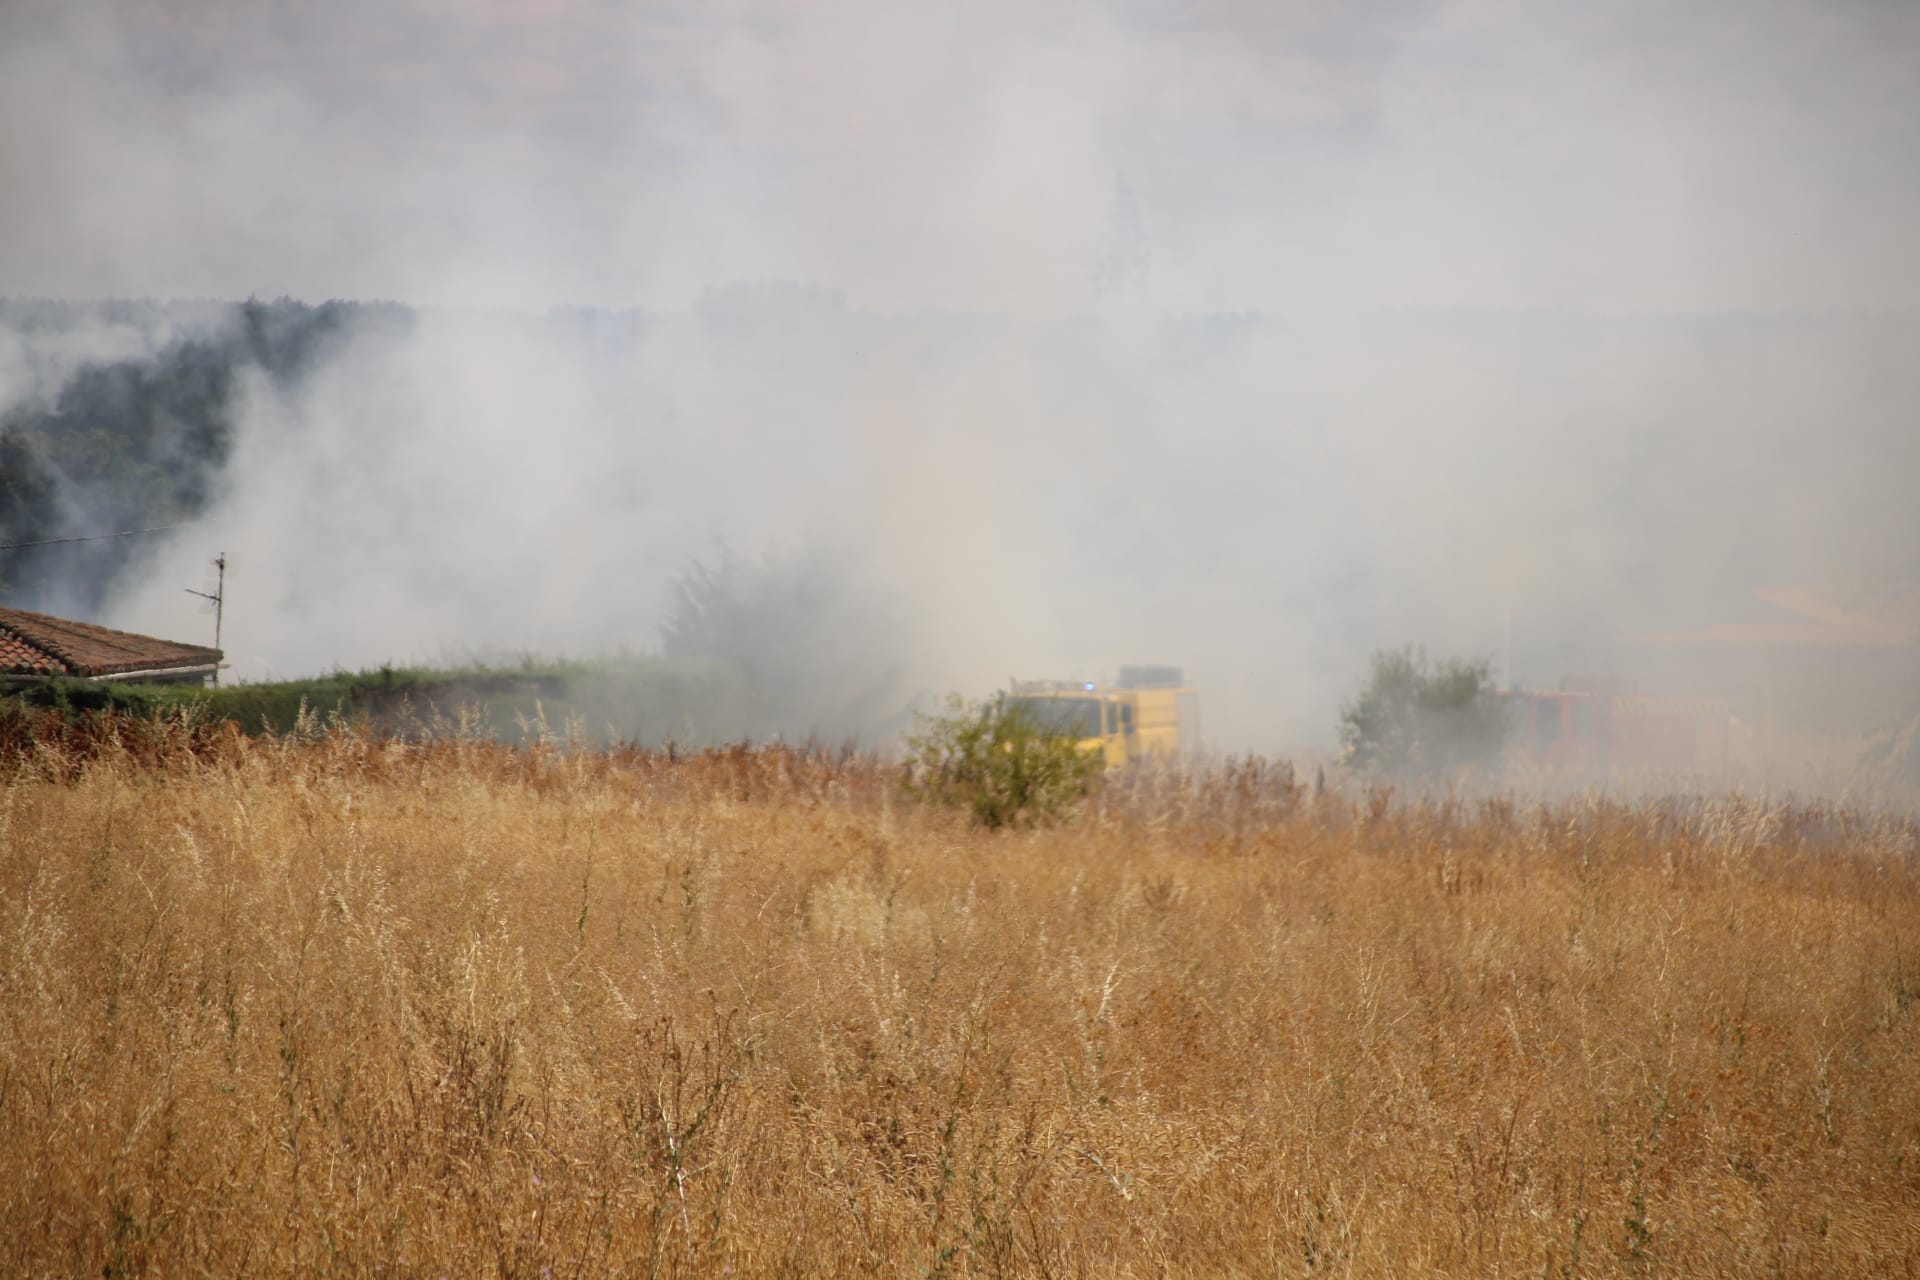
(1148, 713)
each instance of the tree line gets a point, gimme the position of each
(100, 446)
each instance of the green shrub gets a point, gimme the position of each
(1421, 719)
(995, 760)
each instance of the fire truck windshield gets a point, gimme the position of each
(1074, 717)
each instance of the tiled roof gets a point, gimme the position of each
(36, 644)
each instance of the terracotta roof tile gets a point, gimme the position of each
(37, 644)
(16, 655)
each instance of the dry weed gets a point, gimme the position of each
(349, 1007)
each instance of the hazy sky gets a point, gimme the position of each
(1624, 154)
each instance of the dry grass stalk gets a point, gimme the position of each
(356, 1008)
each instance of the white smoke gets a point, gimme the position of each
(1578, 317)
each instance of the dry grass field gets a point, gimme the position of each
(346, 1008)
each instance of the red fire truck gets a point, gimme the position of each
(1596, 731)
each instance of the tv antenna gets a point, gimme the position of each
(219, 597)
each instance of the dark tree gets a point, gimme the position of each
(822, 648)
(1418, 719)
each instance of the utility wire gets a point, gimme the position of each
(94, 537)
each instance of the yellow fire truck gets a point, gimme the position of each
(1148, 713)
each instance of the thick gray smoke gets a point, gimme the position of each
(1251, 337)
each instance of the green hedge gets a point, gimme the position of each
(641, 700)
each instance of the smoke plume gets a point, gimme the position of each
(1249, 337)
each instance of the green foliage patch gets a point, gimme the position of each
(999, 763)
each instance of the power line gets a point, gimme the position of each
(93, 537)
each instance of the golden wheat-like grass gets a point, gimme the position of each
(349, 1008)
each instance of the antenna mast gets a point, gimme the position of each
(219, 598)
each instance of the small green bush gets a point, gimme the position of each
(1418, 719)
(996, 761)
